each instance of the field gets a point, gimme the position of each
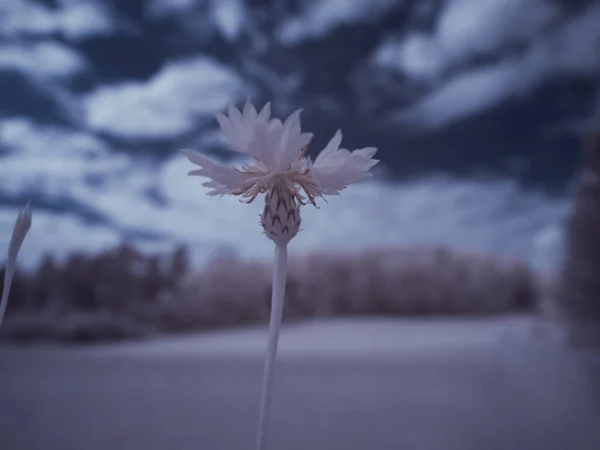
(451, 384)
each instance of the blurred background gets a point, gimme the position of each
(479, 109)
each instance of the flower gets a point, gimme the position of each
(280, 168)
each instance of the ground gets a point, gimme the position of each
(480, 384)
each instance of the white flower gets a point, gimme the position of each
(280, 168)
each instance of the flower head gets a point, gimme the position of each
(280, 167)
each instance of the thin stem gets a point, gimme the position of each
(8, 276)
(22, 226)
(279, 276)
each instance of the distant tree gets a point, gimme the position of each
(578, 296)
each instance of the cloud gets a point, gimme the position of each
(167, 105)
(228, 17)
(45, 59)
(79, 19)
(470, 28)
(465, 95)
(321, 17)
(159, 8)
(55, 163)
(466, 30)
(419, 57)
(74, 19)
(571, 49)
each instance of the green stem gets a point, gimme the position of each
(277, 299)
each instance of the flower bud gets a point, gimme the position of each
(281, 217)
(22, 226)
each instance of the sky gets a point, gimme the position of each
(99, 96)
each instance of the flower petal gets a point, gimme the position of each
(239, 128)
(264, 145)
(287, 153)
(336, 168)
(286, 140)
(235, 139)
(265, 114)
(291, 128)
(332, 146)
(236, 118)
(249, 114)
(224, 179)
(301, 141)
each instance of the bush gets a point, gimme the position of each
(124, 294)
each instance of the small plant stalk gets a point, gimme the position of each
(22, 226)
(281, 221)
(277, 300)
